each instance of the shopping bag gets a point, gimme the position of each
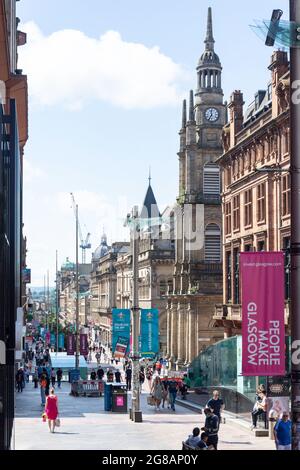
(44, 417)
(57, 422)
(151, 400)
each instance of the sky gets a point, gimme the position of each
(106, 83)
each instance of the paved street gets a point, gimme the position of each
(86, 426)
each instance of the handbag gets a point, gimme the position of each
(44, 417)
(57, 422)
(151, 400)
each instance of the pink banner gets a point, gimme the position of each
(84, 347)
(263, 331)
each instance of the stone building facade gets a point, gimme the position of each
(256, 185)
(198, 261)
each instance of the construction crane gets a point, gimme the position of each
(85, 244)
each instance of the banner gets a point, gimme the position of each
(149, 332)
(263, 332)
(84, 347)
(120, 329)
(53, 339)
(71, 345)
(61, 341)
(121, 348)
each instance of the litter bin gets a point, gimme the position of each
(107, 396)
(74, 375)
(119, 398)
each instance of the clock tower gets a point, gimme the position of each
(198, 218)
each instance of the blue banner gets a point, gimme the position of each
(53, 339)
(61, 340)
(149, 332)
(120, 330)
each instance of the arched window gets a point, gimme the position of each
(212, 244)
(211, 179)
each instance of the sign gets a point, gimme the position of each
(263, 332)
(149, 332)
(121, 347)
(26, 276)
(61, 340)
(53, 339)
(120, 401)
(70, 345)
(120, 327)
(84, 347)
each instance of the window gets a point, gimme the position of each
(162, 288)
(236, 212)
(236, 273)
(261, 203)
(227, 218)
(228, 276)
(261, 245)
(212, 244)
(286, 195)
(211, 183)
(248, 208)
(287, 265)
(248, 248)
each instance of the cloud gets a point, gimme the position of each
(72, 69)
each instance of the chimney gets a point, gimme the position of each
(236, 118)
(279, 66)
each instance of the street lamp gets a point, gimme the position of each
(136, 413)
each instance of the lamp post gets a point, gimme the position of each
(77, 296)
(136, 414)
(295, 225)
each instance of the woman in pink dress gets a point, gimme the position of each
(51, 410)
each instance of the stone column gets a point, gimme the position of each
(168, 331)
(180, 335)
(173, 336)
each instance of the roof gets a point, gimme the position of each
(150, 208)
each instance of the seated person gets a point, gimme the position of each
(194, 439)
(202, 444)
(260, 407)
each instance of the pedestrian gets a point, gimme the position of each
(157, 392)
(51, 410)
(118, 376)
(43, 387)
(20, 380)
(149, 374)
(283, 432)
(128, 376)
(216, 405)
(165, 397)
(141, 378)
(172, 389)
(93, 375)
(260, 407)
(53, 377)
(35, 378)
(59, 375)
(211, 428)
(100, 373)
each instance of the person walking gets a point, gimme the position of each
(59, 375)
(51, 410)
(98, 356)
(35, 378)
(157, 392)
(283, 432)
(149, 374)
(128, 376)
(43, 386)
(100, 373)
(216, 405)
(118, 376)
(165, 397)
(141, 378)
(53, 377)
(211, 428)
(172, 388)
(93, 375)
(19, 380)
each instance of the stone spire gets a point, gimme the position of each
(191, 110)
(183, 114)
(209, 40)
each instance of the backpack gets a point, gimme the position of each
(44, 383)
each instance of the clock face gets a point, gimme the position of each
(212, 114)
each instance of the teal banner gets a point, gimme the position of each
(149, 332)
(61, 341)
(53, 339)
(120, 331)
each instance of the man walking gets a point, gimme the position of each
(282, 432)
(172, 388)
(128, 375)
(59, 374)
(216, 405)
(211, 427)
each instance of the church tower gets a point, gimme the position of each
(198, 268)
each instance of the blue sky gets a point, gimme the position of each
(96, 127)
